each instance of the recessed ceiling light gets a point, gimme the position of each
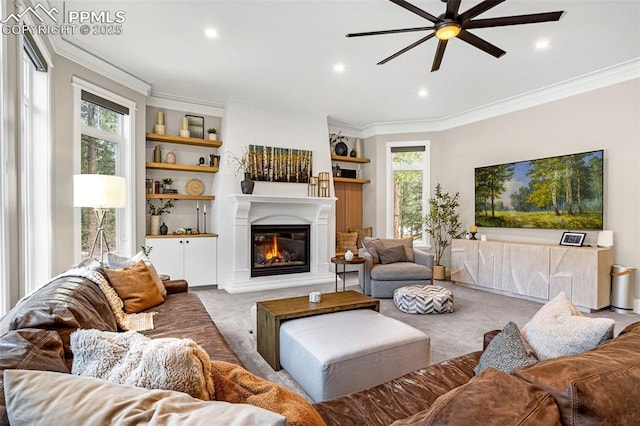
(423, 93)
(338, 68)
(211, 33)
(542, 44)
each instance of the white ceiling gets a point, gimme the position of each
(283, 53)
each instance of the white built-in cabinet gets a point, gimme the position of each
(190, 257)
(538, 271)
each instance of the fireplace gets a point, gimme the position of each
(280, 249)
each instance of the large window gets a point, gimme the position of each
(408, 189)
(105, 148)
(34, 176)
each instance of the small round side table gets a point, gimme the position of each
(340, 260)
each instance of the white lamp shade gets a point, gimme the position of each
(99, 191)
(605, 239)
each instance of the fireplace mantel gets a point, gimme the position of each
(273, 210)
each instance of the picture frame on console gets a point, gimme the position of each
(575, 239)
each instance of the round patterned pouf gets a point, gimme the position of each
(423, 299)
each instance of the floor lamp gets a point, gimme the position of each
(102, 192)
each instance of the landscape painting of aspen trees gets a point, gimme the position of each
(562, 192)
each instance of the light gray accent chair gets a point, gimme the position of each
(381, 280)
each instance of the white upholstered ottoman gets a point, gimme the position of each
(343, 352)
(423, 299)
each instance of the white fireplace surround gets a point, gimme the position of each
(275, 210)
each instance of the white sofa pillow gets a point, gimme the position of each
(558, 329)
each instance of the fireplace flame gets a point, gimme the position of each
(273, 252)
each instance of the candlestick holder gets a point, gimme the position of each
(473, 236)
(204, 222)
(197, 220)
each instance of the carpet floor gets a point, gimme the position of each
(452, 334)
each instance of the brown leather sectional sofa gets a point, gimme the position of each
(601, 386)
(34, 335)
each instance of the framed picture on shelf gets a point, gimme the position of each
(196, 126)
(575, 239)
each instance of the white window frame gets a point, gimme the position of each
(125, 164)
(4, 154)
(425, 243)
(34, 171)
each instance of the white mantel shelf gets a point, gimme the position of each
(253, 209)
(279, 199)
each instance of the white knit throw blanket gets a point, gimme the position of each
(135, 322)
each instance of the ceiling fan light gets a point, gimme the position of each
(447, 30)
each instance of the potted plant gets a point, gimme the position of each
(156, 212)
(442, 223)
(167, 182)
(242, 163)
(213, 134)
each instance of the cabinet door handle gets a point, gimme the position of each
(187, 241)
(180, 241)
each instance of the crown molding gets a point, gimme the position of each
(615, 74)
(178, 103)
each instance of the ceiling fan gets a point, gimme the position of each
(452, 24)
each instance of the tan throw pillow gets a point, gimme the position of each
(407, 243)
(135, 287)
(346, 241)
(362, 232)
(115, 261)
(88, 401)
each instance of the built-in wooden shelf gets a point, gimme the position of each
(350, 180)
(182, 236)
(184, 141)
(181, 167)
(350, 159)
(180, 197)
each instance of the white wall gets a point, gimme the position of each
(245, 123)
(607, 118)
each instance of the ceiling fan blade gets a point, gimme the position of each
(481, 44)
(514, 20)
(437, 60)
(416, 10)
(406, 49)
(452, 9)
(478, 9)
(401, 30)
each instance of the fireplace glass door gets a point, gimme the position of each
(280, 249)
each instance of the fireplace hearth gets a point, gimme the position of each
(280, 249)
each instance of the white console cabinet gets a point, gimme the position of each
(189, 257)
(536, 271)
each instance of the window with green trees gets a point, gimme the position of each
(101, 139)
(408, 168)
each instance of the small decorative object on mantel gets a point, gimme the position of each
(312, 187)
(323, 184)
(163, 229)
(184, 131)
(247, 184)
(213, 134)
(157, 154)
(242, 163)
(171, 158)
(159, 127)
(474, 231)
(353, 153)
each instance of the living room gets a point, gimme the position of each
(538, 108)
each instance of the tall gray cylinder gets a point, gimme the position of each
(622, 289)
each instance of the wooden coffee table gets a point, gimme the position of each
(271, 313)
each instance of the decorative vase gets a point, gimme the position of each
(348, 256)
(157, 154)
(358, 148)
(163, 229)
(213, 137)
(155, 225)
(353, 153)
(439, 272)
(159, 129)
(247, 184)
(171, 158)
(185, 133)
